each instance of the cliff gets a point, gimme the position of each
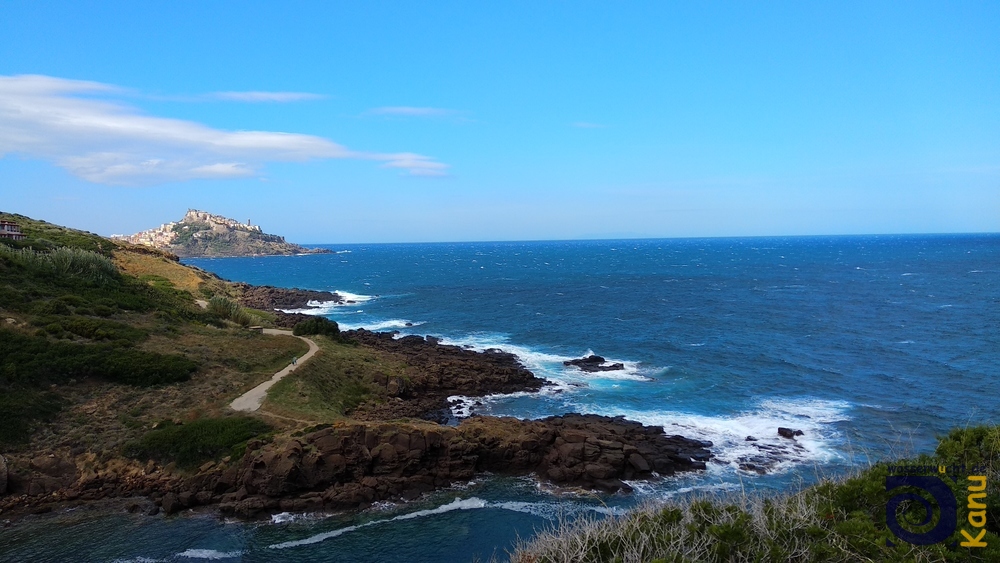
(200, 233)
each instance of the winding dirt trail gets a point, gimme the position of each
(252, 399)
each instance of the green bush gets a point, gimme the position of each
(228, 309)
(834, 520)
(34, 360)
(64, 262)
(193, 443)
(20, 408)
(317, 325)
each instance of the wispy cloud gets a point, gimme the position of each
(105, 141)
(267, 97)
(587, 125)
(408, 111)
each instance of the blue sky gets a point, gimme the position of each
(434, 121)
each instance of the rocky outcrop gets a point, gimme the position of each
(437, 371)
(268, 298)
(594, 363)
(3, 475)
(354, 464)
(766, 456)
(789, 433)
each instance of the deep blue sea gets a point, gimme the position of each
(873, 346)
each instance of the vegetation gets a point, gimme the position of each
(185, 232)
(191, 444)
(46, 236)
(317, 325)
(70, 314)
(835, 520)
(333, 383)
(230, 310)
(63, 261)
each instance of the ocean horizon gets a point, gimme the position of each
(872, 345)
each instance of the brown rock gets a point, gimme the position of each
(638, 463)
(170, 503)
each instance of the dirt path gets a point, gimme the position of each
(252, 399)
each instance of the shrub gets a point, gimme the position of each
(196, 442)
(20, 408)
(65, 262)
(228, 309)
(834, 520)
(317, 325)
(34, 360)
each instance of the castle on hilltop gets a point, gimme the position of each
(200, 221)
(218, 222)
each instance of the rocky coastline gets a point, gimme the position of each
(393, 449)
(277, 299)
(352, 464)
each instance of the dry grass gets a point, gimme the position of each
(153, 267)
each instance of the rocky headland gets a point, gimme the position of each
(118, 377)
(200, 233)
(440, 371)
(352, 464)
(384, 451)
(278, 299)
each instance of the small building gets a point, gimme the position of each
(11, 230)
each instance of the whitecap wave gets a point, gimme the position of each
(457, 504)
(314, 307)
(289, 517)
(649, 488)
(209, 554)
(728, 433)
(380, 325)
(550, 366)
(547, 510)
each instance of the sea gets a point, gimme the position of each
(872, 346)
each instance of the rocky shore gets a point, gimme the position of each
(385, 451)
(439, 371)
(352, 464)
(273, 299)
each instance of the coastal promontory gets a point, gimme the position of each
(200, 233)
(119, 365)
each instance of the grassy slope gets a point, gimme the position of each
(835, 520)
(58, 389)
(337, 379)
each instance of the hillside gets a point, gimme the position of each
(200, 233)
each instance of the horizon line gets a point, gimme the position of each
(626, 239)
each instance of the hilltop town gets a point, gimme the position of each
(200, 233)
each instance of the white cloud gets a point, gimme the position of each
(108, 142)
(415, 164)
(408, 111)
(277, 97)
